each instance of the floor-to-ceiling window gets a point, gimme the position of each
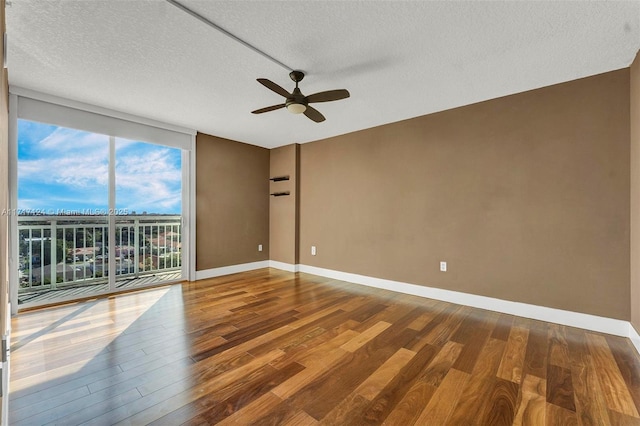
(98, 204)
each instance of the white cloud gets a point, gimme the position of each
(68, 157)
(69, 140)
(73, 170)
(147, 178)
(148, 182)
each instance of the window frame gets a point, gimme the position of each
(44, 108)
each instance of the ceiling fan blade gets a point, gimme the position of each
(329, 95)
(267, 109)
(271, 85)
(314, 114)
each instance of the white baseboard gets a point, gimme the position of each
(634, 337)
(284, 266)
(542, 313)
(233, 269)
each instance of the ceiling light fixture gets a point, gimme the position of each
(296, 108)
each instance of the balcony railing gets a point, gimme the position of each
(64, 251)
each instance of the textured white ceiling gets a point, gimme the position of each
(399, 59)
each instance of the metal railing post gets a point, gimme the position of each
(53, 264)
(42, 256)
(136, 247)
(30, 258)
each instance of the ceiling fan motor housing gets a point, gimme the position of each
(296, 76)
(296, 104)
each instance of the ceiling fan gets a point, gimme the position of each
(296, 102)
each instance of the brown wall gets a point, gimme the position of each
(232, 202)
(283, 213)
(635, 190)
(526, 197)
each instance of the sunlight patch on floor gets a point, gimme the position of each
(88, 329)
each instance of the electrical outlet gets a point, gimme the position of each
(443, 266)
(313, 250)
(259, 247)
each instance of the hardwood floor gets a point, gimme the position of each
(273, 347)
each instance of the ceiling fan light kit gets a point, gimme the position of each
(296, 108)
(296, 102)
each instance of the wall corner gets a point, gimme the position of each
(634, 154)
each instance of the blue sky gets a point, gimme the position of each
(61, 169)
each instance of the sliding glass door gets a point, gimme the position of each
(95, 213)
(148, 220)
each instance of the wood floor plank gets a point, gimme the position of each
(424, 319)
(472, 323)
(503, 327)
(39, 405)
(124, 412)
(533, 404)
(502, 403)
(87, 413)
(560, 387)
(221, 381)
(470, 351)
(623, 352)
(615, 390)
(316, 356)
(370, 388)
(536, 355)
(364, 337)
(441, 404)
(473, 400)
(489, 359)
(441, 364)
(559, 416)
(215, 406)
(328, 390)
(408, 410)
(390, 314)
(347, 412)
(69, 408)
(440, 329)
(282, 413)
(591, 407)
(558, 347)
(256, 409)
(274, 347)
(43, 386)
(247, 332)
(300, 418)
(512, 362)
(620, 419)
(199, 370)
(397, 398)
(141, 375)
(310, 374)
